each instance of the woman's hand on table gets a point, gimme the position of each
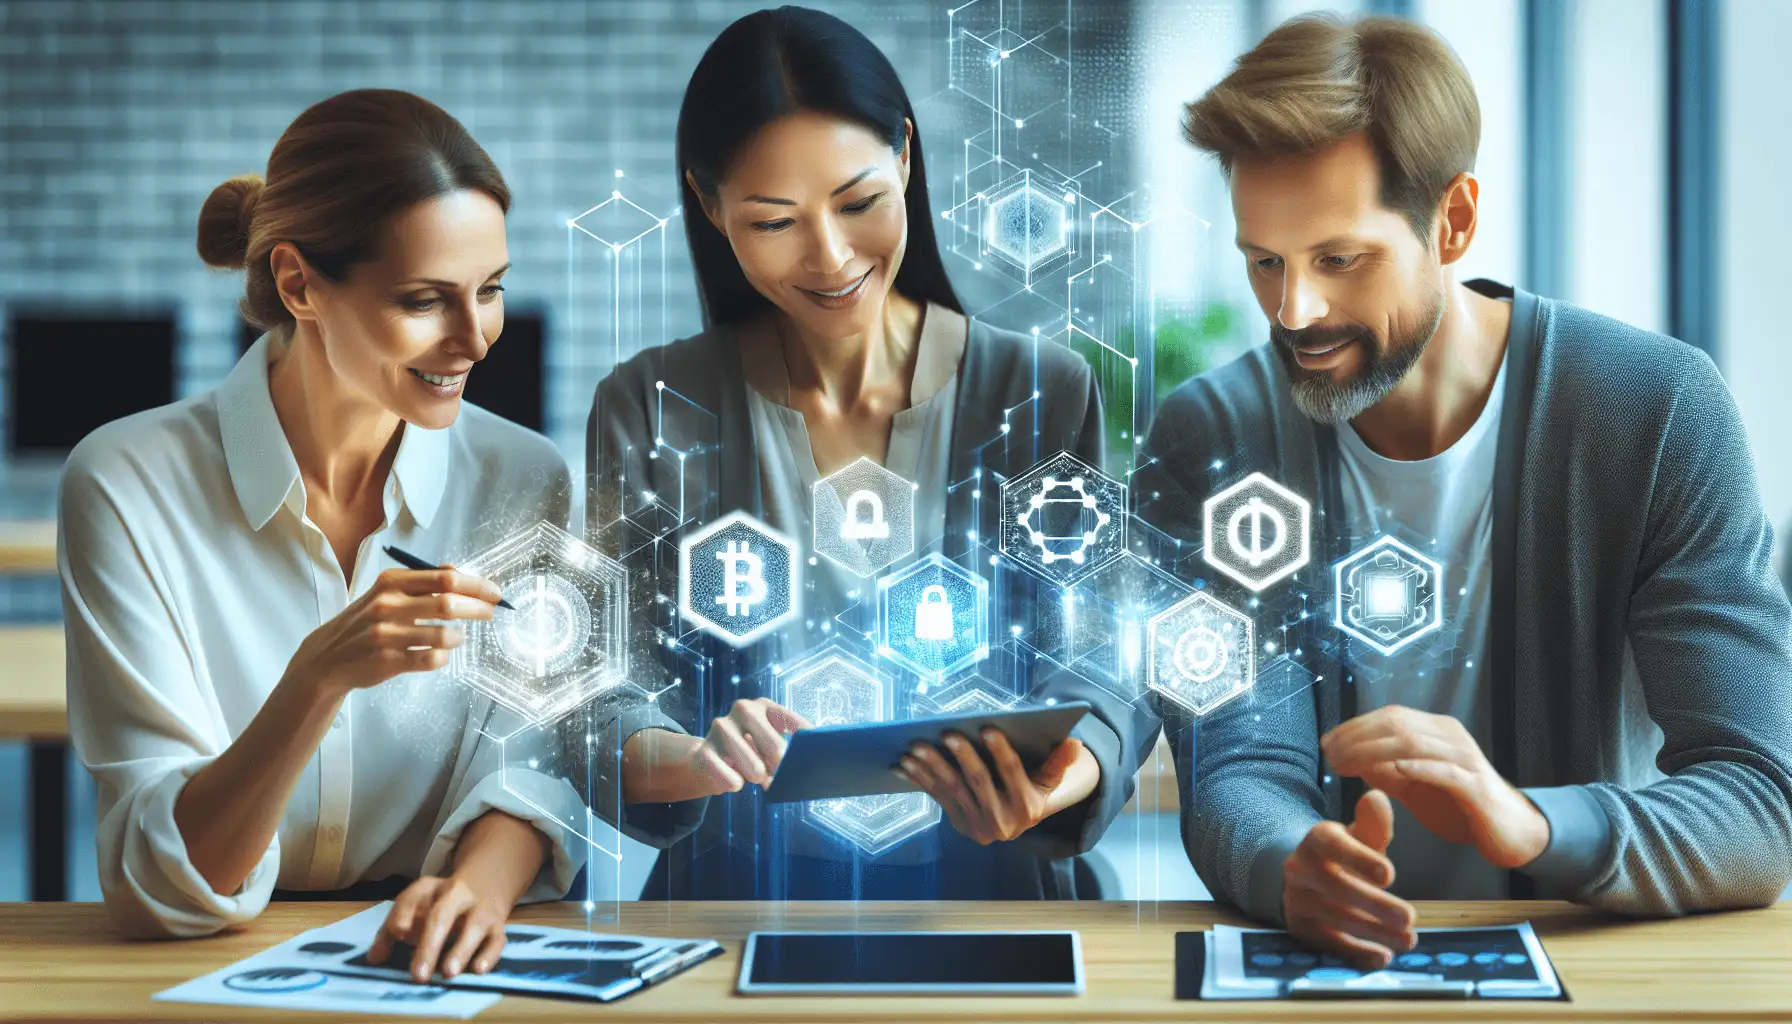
(997, 800)
(458, 921)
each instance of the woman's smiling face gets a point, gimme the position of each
(813, 209)
(406, 328)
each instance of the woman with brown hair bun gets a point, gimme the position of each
(254, 691)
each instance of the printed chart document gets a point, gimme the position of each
(298, 975)
(1501, 962)
(327, 969)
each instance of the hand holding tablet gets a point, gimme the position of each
(988, 793)
(859, 760)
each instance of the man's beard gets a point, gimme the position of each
(1313, 390)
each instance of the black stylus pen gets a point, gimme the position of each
(410, 561)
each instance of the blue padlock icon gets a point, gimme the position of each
(933, 615)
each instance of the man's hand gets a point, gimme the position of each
(993, 803)
(1334, 889)
(1432, 765)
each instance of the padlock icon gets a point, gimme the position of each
(933, 615)
(864, 517)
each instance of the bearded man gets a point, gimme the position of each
(1606, 713)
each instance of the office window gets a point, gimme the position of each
(71, 373)
(1755, 219)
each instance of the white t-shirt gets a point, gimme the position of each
(1443, 507)
(190, 575)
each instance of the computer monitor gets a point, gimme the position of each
(68, 373)
(508, 381)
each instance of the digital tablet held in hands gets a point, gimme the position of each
(856, 760)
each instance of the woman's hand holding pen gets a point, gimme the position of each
(228, 812)
(380, 635)
(993, 803)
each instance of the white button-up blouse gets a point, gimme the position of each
(190, 574)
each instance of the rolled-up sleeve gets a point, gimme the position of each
(139, 721)
(520, 774)
(1117, 733)
(610, 725)
(513, 775)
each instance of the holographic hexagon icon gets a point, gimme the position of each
(1063, 519)
(1097, 628)
(968, 696)
(1201, 653)
(1257, 531)
(1026, 225)
(1387, 595)
(864, 517)
(933, 617)
(738, 579)
(877, 823)
(565, 641)
(833, 687)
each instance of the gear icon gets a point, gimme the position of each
(1037, 523)
(1201, 655)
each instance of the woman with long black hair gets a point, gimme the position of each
(832, 334)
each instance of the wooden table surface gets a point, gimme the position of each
(28, 546)
(33, 687)
(59, 961)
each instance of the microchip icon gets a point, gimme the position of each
(1387, 597)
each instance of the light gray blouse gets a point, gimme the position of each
(837, 599)
(920, 452)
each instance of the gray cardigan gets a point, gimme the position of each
(1632, 581)
(702, 410)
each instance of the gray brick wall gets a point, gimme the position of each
(120, 116)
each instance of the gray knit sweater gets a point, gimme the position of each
(1632, 583)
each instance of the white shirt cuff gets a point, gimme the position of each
(542, 800)
(157, 892)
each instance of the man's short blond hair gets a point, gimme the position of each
(1317, 79)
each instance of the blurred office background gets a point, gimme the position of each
(1629, 160)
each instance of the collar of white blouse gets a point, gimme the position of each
(266, 476)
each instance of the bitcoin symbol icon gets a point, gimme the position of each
(1201, 655)
(733, 598)
(1256, 511)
